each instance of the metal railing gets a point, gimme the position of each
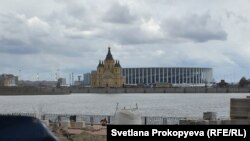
(95, 119)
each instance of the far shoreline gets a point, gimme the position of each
(15, 91)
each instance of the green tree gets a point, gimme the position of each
(243, 82)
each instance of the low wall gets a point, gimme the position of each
(160, 90)
(33, 91)
(240, 108)
(95, 119)
(66, 90)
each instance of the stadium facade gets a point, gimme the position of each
(181, 76)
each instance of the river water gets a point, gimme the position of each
(169, 105)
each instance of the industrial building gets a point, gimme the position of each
(8, 80)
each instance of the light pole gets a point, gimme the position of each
(37, 76)
(20, 71)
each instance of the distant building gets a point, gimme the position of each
(37, 83)
(108, 74)
(177, 76)
(87, 79)
(168, 76)
(8, 80)
(61, 82)
(78, 83)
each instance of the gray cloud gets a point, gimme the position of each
(119, 14)
(72, 14)
(74, 35)
(128, 35)
(239, 18)
(16, 47)
(197, 28)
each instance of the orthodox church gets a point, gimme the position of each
(108, 73)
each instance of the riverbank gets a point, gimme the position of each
(161, 90)
(33, 91)
(70, 90)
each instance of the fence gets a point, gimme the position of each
(95, 119)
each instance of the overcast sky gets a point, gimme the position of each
(41, 36)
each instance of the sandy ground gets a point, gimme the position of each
(90, 133)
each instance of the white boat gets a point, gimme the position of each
(127, 116)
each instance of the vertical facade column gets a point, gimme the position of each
(198, 80)
(139, 75)
(200, 76)
(159, 75)
(125, 74)
(196, 73)
(186, 77)
(179, 76)
(151, 77)
(167, 75)
(147, 76)
(155, 75)
(183, 74)
(204, 75)
(128, 76)
(163, 75)
(175, 75)
(190, 75)
(210, 75)
(193, 74)
(131, 75)
(143, 76)
(135, 75)
(171, 75)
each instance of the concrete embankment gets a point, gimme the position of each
(160, 90)
(33, 91)
(69, 90)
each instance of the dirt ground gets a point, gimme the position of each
(90, 133)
